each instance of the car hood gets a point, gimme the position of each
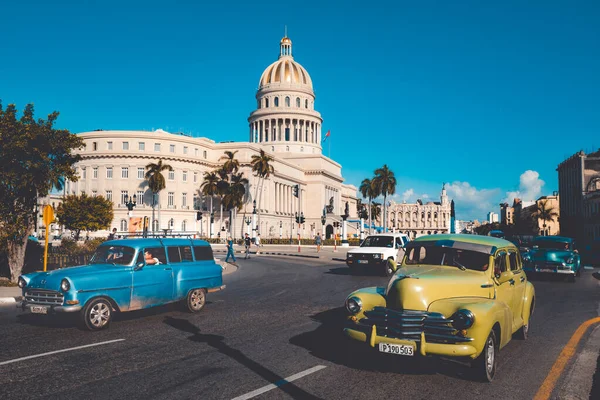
(369, 250)
(550, 255)
(80, 277)
(416, 287)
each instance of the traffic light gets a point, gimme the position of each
(296, 188)
(199, 216)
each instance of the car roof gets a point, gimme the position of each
(553, 239)
(474, 239)
(388, 234)
(156, 242)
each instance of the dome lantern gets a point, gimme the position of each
(285, 47)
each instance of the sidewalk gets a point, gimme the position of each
(306, 251)
(10, 294)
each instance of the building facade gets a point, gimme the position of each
(285, 125)
(547, 228)
(418, 219)
(492, 217)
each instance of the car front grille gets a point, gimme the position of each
(409, 324)
(44, 297)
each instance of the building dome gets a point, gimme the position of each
(285, 70)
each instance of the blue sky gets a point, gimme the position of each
(488, 96)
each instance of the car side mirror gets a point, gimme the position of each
(139, 266)
(505, 277)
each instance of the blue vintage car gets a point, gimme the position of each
(126, 275)
(553, 254)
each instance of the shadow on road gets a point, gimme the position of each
(217, 342)
(329, 343)
(354, 272)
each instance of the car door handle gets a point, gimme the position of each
(512, 282)
(522, 279)
(168, 269)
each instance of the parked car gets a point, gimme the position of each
(376, 250)
(126, 275)
(454, 296)
(553, 255)
(497, 234)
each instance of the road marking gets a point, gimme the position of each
(282, 382)
(588, 267)
(545, 391)
(59, 351)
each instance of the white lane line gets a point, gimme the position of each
(282, 382)
(59, 351)
(588, 267)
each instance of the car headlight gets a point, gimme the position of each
(22, 283)
(65, 285)
(463, 319)
(526, 257)
(350, 255)
(353, 305)
(376, 255)
(569, 260)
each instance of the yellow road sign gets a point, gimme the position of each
(48, 215)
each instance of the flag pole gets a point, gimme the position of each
(329, 148)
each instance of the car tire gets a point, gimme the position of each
(97, 314)
(387, 268)
(486, 364)
(196, 300)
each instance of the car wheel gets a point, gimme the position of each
(196, 299)
(388, 268)
(97, 314)
(485, 365)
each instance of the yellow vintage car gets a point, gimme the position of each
(460, 296)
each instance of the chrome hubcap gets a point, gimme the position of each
(99, 315)
(197, 299)
(490, 355)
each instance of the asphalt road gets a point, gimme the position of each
(278, 317)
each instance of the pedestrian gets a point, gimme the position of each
(230, 250)
(247, 243)
(113, 234)
(257, 243)
(318, 242)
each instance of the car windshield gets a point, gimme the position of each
(551, 244)
(118, 255)
(378, 241)
(463, 259)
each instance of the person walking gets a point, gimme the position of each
(318, 242)
(247, 243)
(230, 250)
(257, 243)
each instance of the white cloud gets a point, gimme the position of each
(424, 196)
(470, 202)
(408, 194)
(530, 187)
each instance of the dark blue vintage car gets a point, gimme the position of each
(126, 275)
(553, 255)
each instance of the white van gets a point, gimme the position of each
(376, 250)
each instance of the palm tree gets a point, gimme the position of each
(385, 184)
(156, 183)
(234, 196)
(367, 191)
(262, 168)
(545, 213)
(222, 189)
(231, 164)
(209, 186)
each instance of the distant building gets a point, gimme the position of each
(578, 184)
(492, 217)
(507, 214)
(552, 227)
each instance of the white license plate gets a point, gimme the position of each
(39, 310)
(363, 261)
(398, 349)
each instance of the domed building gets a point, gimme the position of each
(285, 124)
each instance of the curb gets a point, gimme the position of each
(579, 379)
(10, 300)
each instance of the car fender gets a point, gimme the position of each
(488, 313)
(528, 301)
(370, 297)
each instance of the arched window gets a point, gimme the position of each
(123, 225)
(258, 103)
(184, 225)
(298, 102)
(429, 215)
(435, 215)
(155, 225)
(267, 103)
(306, 103)
(422, 214)
(276, 101)
(287, 101)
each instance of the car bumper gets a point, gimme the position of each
(549, 271)
(216, 289)
(356, 263)
(24, 306)
(423, 348)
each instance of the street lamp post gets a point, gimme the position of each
(323, 221)
(130, 204)
(280, 229)
(199, 218)
(212, 224)
(248, 221)
(362, 224)
(254, 219)
(299, 220)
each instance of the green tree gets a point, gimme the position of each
(234, 196)
(262, 169)
(545, 214)
(231, 164)
(34, 157)
(84, 213)
(368, 191)
(156, 183)
(385, 184)
(209, 186)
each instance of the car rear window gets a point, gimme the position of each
(203, 253)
